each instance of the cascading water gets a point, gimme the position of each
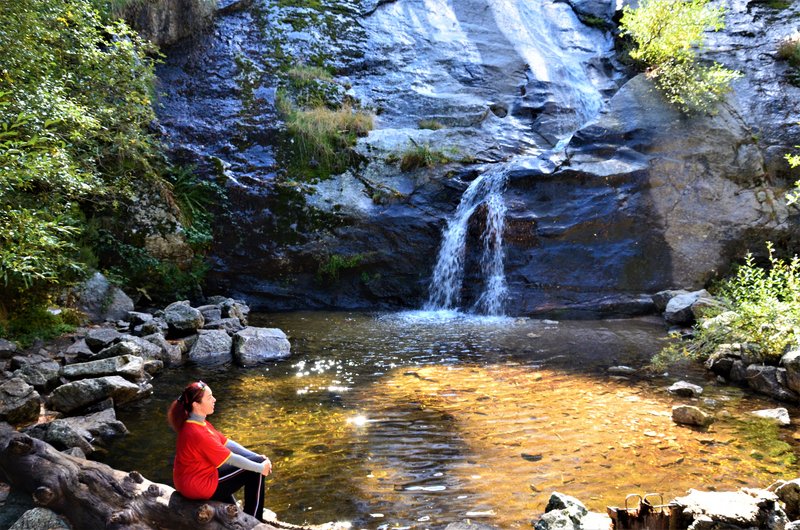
(445, 288)
(575, 101)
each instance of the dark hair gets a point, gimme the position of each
(180, 408)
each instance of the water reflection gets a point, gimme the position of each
(418, 419)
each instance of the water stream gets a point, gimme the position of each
(416, 420)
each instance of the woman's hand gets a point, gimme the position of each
(267, 467)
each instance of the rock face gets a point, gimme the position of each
(164, 22)
(641, 198)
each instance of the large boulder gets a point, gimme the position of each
(791, 362)
(253, 345)
(19, 402)
(679, 308)
(211, 346)
(770, 380)
(43, 376)
(102, 301)
(130, 367)
(78, 394)
(183, 318)
(7, 349)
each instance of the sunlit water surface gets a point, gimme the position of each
(416, 420)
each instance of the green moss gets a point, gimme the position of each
(335, 264)
(430, 124)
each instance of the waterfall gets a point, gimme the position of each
(445, 287)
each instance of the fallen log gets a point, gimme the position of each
(93, 495)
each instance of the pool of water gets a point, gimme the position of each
(416, 420)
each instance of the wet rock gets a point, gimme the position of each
(130, 367)
(779, 415)
(746, 508)
(19, 402)
(770, 380)
(685, 389)
(102, 301)
(254, 345)
(78, 394)
(39, 518)
(211, 345)
(689, 415)
(183, 318)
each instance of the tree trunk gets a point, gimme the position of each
(94, 495)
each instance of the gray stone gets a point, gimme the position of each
(61, 435)
(231, 325)
(685, 389)
(679, 308)
(19, 402)
(149, 349)
(789, 493)
(568, 513)
(210, 312)
(689, 415)
(14, 505)
(78, 394)
(254, 345)
(234, 309)
(170, 353)
(99, 427)
(153, 366)
(75, 451)
(102, 301)
(211, 345)
(770, 380)
(746, 508)
(130, 367)
(79, 350)
(40, 519)
(43, 376)
(135, 318)
(662, 298)
(182, 317)
(100, 338)
(7, 349)
(791, 362)
(779, 415)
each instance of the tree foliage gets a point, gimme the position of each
(75, 106)
(667, 35)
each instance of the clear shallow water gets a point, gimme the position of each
(420, 419)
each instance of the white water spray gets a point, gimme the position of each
(448, 275)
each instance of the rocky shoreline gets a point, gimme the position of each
(66, 392)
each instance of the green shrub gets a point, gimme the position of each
(789, 51)
(761, 306)
(330, 269)
(667, 35)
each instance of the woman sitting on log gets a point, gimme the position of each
(207, 464)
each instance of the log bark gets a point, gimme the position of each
(93, 495)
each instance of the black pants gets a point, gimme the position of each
(232, 479)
